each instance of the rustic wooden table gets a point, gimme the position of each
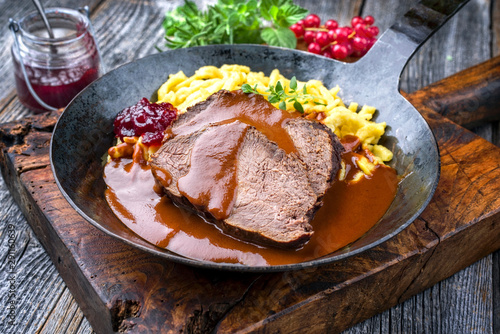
(467, 302)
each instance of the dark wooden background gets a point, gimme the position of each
(467, 302)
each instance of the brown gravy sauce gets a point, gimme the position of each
(350, 209)
(251, 109)
(211, 181)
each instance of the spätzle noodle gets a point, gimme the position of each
(183, 92)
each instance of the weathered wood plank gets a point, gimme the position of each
(464, 109)
(456, 46)
(127, 30)
(495, 38)
(66, 317)
(34, 277)
(36, 281)
(495, 294)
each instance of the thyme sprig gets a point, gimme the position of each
(278, 93)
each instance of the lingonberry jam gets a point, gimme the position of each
(57, 67)
(55, 87)
(145, 119)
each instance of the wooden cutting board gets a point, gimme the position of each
(121, 289)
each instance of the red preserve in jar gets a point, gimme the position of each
(57, 68)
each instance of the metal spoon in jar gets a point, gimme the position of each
(41, 11)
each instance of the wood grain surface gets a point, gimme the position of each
(466, 302)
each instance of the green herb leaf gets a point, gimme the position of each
(293, 83)
(246, 88)
(273, 98)
(278, 93)
(273, 12)
(279, 87)
(282, 105)
(265, 7)
(291, 14)
(283, 37)
(298, 107)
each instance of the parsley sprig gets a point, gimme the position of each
(233, 22)
(278, 93)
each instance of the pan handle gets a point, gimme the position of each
(395, 47)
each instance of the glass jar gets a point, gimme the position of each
(58, 68)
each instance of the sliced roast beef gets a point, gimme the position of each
(276, 193)
(319, 148)
(314, 142)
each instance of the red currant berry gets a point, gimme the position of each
(339, 51)
(371, 41)
(359, 43)
(332, 36)
(309, 36)
(360, 29)
(348, 30)
(322, 38)
(342, 35)
(326, 53)
(356, 20)
(349, 48)
(298, 30)
(314, 48)
(371, 31)
(312, 21)
(301, 22)
(369, 20)
(331, 24)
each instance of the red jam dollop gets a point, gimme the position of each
(145, 119)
